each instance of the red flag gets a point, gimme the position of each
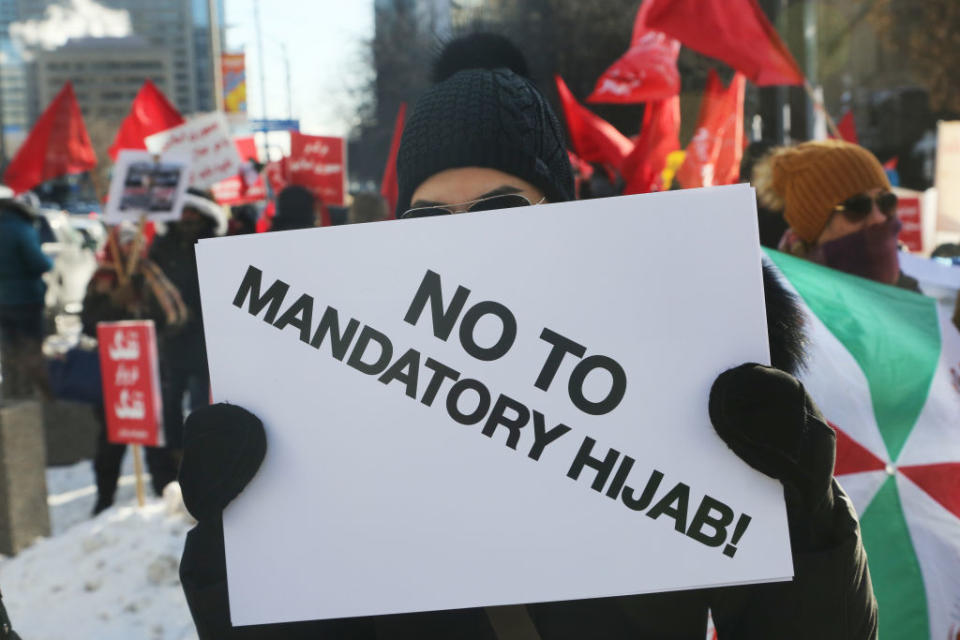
(593, 138)
(734, 31)
(659, 136)
(580, 168)
(891, 164)
(150, 113)
(582, 172)
(732, 138)
(647, 71)
(847, 128)
(57, 145)
(713, 156)
(388, 186)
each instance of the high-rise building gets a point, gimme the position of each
(204, 55)
(106, 73)
(183, 27)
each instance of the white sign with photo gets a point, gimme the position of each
(207, 141)
(144, 184)
(494, 408)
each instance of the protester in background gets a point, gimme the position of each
(367, 206)
(296, 209)
(770, 221)
(507, 151)
(837, 200)
(144, 294)
(22, 263)
(183, 354)
(243, 220)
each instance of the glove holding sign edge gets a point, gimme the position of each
(766, 417)
(223, 447)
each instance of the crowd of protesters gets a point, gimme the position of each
(159, 284)
(453, 161)
(829, 202)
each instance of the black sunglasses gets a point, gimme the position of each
(857, 208)
(504, 201)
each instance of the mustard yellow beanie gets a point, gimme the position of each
(808, 180)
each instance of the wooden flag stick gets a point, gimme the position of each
(137, 244)
(818, 105)
(115, 254)
(138, 472)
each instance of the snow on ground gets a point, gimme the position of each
(114, 577)
(72, 492)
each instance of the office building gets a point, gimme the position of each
(106, 73)
(183, 27)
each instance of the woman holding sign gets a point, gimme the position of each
(507, 150)
(112, 295)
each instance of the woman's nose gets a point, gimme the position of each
(876, 216)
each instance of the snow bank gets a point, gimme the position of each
(114, 577)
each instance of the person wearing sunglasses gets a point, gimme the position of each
(484, 139)
(836, 198)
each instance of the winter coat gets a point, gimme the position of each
(153, 298)
(830, 597)
(22, 262)
(181, 346)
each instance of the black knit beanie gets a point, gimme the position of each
(483, 112)
(295, 209)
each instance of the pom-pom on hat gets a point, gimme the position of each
(807, 181)
(483, 112)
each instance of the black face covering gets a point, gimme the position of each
(869, 253)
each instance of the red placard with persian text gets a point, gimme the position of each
(910, 213)
(131, 382)
(319, 164)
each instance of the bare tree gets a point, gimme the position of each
(928, 33)
(577, 40)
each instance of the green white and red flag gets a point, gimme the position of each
(884, 367)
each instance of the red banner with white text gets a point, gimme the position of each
(131, 382)
(319, 164)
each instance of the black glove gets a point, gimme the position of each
(766, 417)
(223, 446)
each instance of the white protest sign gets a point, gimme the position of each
(540, 433)
(146, 185)
(207, 140)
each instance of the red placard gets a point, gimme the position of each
(319, 163)
(278, 173)
(131, 382)
(909, 212)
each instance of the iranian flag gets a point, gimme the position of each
(884, 367)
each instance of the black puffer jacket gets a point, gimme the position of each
(830, 597)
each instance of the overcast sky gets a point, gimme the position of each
(324, 44)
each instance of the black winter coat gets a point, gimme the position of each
(830, 597)
(181, 347)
